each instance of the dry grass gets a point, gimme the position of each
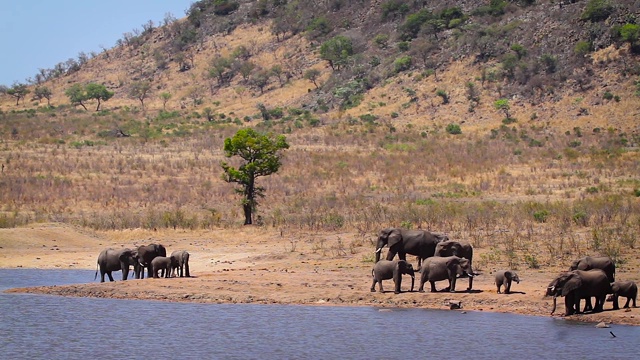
(551, 186)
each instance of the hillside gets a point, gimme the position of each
(513, 125)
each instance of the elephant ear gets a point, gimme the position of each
(394, 237)
(574, 282)
(453, 264)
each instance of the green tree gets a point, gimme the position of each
(165, 96)
(312, 75)
(597, 10)
(503, 105)
(336, 51)
(219, 67)
(98, 92)
(19, 91)
(261, 155)
(77, 95)
(139, 90)
(43, 92)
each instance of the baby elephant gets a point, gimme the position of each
(166, 264)
(627, 289)
(387, 269)
(505, 277)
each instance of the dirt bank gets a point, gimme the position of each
(256, 265)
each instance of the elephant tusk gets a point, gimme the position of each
(378, 250)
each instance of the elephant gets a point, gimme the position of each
(146, 254)
(182, 269)
(420, 243)
(443, 268)
(627, 289)
(163, 263)
(603, 263)
(580, 284)
(505, 277)
(115, 260)
(459, 249)
(387, 269)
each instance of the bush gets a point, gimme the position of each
(402, 64)
(597, 10)
(454, 129)
(541, 216)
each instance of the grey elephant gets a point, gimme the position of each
(577, 285)
(603, 263)
(420, 243)
(627, 289)
(146, 254)
(111, 260)
(387, 269)
(182, 268)
(505, 277)
(443, 268)
(459, 249)
(164, 264)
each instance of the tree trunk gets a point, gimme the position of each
(247, 214)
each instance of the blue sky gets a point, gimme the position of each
(38, 34)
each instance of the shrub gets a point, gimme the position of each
(453, 129)
(381, 40)
(541, 216)
(402, 63)
(597, 10)
(443, 94)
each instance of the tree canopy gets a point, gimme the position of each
(78, 94)
(261, 154)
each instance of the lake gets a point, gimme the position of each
(54, 327)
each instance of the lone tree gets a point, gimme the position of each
(139, 90)
(19, 91)
(261, 155)
(98, 92)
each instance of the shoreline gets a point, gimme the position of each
(206, 289)
(253, 265)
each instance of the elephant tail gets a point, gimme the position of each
(96, 275)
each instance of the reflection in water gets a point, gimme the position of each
(53, 327)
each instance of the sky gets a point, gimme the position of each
(38, 34)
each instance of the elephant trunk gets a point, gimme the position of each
(554, 304)
(413, 279)
(378, 252)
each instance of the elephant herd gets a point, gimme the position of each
(591, 277)
(153, 257)
(440, 258)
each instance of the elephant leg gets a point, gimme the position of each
(626, 305)
(110, 277)
(102, 275)
(508, 287)
(470, 283)
(373, 286)
(498, 286)
(569, 306)
(452, 284)
(615, 302)
(186, 269)
(433, 286)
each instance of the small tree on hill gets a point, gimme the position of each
(76, 95)
(19, 91)
(43, 92)
(98, 92)
(261, 157)
(139, 90)
(336, 51)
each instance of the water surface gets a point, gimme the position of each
(54, 327)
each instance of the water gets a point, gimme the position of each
(52, 327)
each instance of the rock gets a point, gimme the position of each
(602, 325)
(453, 304)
